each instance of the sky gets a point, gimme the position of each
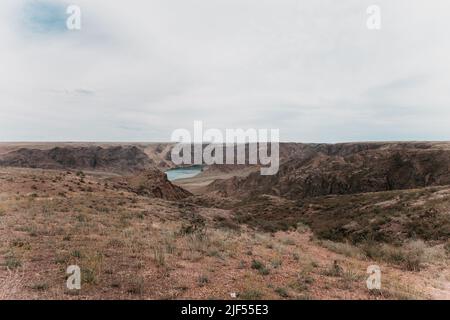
(139, 69)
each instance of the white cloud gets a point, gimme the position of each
(139, 69)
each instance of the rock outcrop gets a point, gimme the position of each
(118, 159)
(347, 169)
(152, 183)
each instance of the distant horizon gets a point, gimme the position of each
(171, 142)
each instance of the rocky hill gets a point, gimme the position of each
(151, 183)
(348, 169)
(118, 159)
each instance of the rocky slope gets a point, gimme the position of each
(118, 159)
(347, 169)
(151, 183)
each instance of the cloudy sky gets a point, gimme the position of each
(138, 69)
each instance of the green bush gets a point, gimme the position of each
(262, 269)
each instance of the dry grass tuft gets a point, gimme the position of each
(11, 285)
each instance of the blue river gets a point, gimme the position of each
(183, 173)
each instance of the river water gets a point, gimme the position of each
(183, 173)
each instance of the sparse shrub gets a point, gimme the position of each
(199, 243)
(77, 254)
(250, 295)
(115, 243)
(81, 218)
(447, 247)
(412, 262)
(276, 263)
(288, 241)
(88, 276)
(103, 209)
(40, 286)
(371, 250)
(350, 275)
(410, 256)
(61, 259)
(214, 253)
(80, 174)
(19, 243)
(124, 219)
(202, 280)
(224, 223)
(92, 268)
(12, 262)
(159, 256)
(335, 270)
(258, 265)
(302, 228)
(264, 271)
(434, 254)
(304, 280)
(47, 210)
(305, 277)
(282, 292)
(169, 243)
(137, 286)
(141, 215)
(196, 225)
(342, 248)
(11, 285)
